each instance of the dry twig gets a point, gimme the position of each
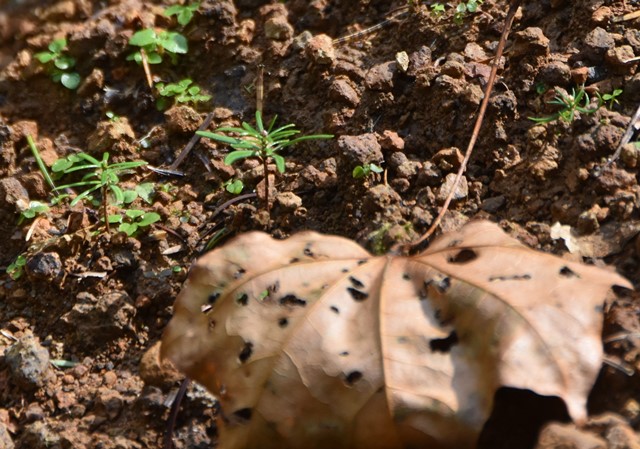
(513, 7)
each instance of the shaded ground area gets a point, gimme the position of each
(403, 97)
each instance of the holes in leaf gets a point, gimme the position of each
(292, 300)
(437, 314)
(205, 308)
(246, 352)
(283, 322)
(273, 288)
(357, 295)
(513, 277)
(238, 274)
(335, 310)
(444, 345)
(353, 377)
(454, 243)
(213, 297)
(355, 282)
(568, 272)
(307, 250)
(442, 284)
(243, 415)
(463, 256)
(242, 299)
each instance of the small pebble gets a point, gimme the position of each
(28, 362)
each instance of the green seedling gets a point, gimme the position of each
(16, 269)
(611, 98)
(112, 116)
(364, 171)
(59, 65)
(234, 186)
(183, 13)
(570, 105)
(156, 44)
(133, 220)
(463, 8)
(183, 92)
(34, 208)
(100, 176)
(541, 88)
(262, 143)
(437, 9)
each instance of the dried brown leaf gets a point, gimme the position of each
(311, 342)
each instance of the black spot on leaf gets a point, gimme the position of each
(238, 274)
(345, 270)
(242, 299)
(307, 250)
(357, 294)
(344, 353)
(463, 256)
(292, 300)
(568, 272)
(355, 282)
(283, 322)
(294, 260)
(406, 276)
(443, 344)
(212, 324)
(243, 415)
(246, 352)
(335, 310)
(353, 377)
(362, 261)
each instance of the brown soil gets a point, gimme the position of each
(100, 301)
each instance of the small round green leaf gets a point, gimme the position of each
(134, 213)
(70, 80)
(115, 218)
(44, 56)
(61, 165)
(129, 196)
(128, 228)
(148, 218)
(174, 42)
(58, 45)
(64, 62)
(143, 38)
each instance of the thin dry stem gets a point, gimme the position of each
(147, 70)
(260, 88)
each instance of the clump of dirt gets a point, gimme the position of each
(403, 97)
